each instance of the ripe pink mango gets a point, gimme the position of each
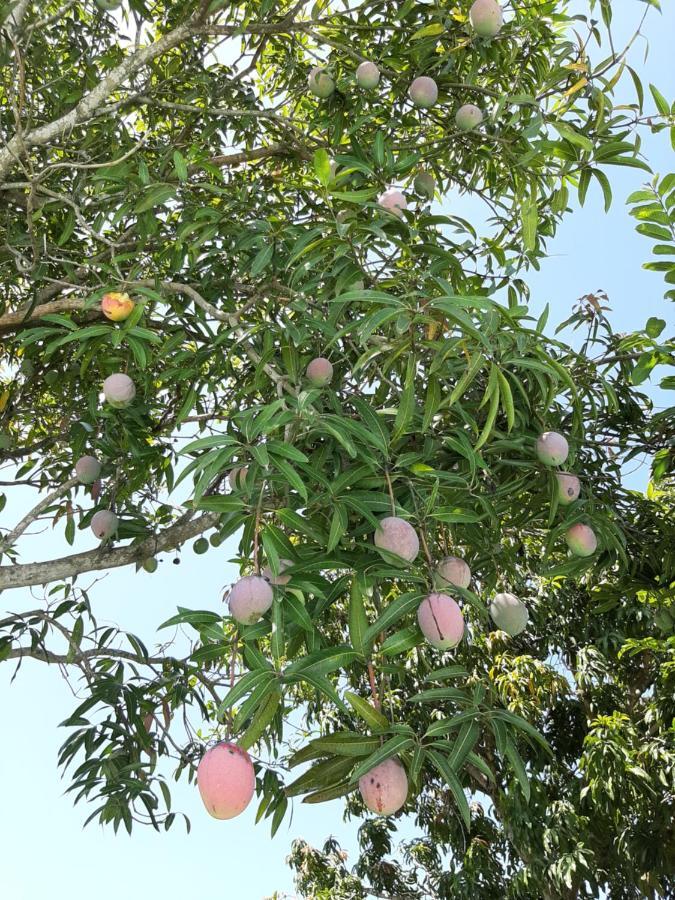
(486, 18)
(237, 478)
(581, 540)
(320, 83)
(452, 570)
(569, 488)
(319, 372)
(509, 613)
(226, 780)
(393, 201)
(468, 117)
(104, 524)
(367, 75)
(279, 579)
(385, 788)
(87, 469)
(423, 92)
(552, 448)
(249, 599)
(397, 536)
(441, 621)
(119, 390)
(117, 307)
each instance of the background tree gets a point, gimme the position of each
(179, 153)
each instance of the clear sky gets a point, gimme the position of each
(44, 849)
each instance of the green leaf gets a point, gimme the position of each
(395, 745)
(245, 685)
(574, 137)
(346, 743)
(338, 525)
(474, 367)
(322, 685)
(529, 218)
(180, 165)
(661, 103)
(291, 476)
(445, 726)
(507, 399)
(322, 166)
(322, 775)
(447, 672)
(261, 720)
(277, 640)
(406, 407)
(603, 181)
(339, 790)
(155, 196)
(371, 716)
(322, 662)
(194, 617)
(432, 30)
(297, 611)
(262, 259)
(401, 641)
(442, 765)
(358, 621)
(523, 725)
(466, 741)
(518, 767)
(435, 695)
(655, 326)
(493, 390)
(394, 611)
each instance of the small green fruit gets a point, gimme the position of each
(150, 564)
(425, 185)
(367, 75)
(320, 83)
(468, 117)
(201, 545)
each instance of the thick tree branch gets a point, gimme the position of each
(83, 111)
(12, 321)
(28, 574)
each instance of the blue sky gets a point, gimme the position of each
(45, 851)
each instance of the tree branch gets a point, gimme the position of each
(28, 574)
(48, 656)
(229, 160)
(29, 518)
(12, 321)
(48, 133)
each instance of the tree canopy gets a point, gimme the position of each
(318, 309)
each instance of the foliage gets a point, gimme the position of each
(173, 151)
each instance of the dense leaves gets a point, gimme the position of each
(174, 152)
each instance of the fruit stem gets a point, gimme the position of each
(391, 492)
(373, 685)
(256, 532)
(233, 664)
